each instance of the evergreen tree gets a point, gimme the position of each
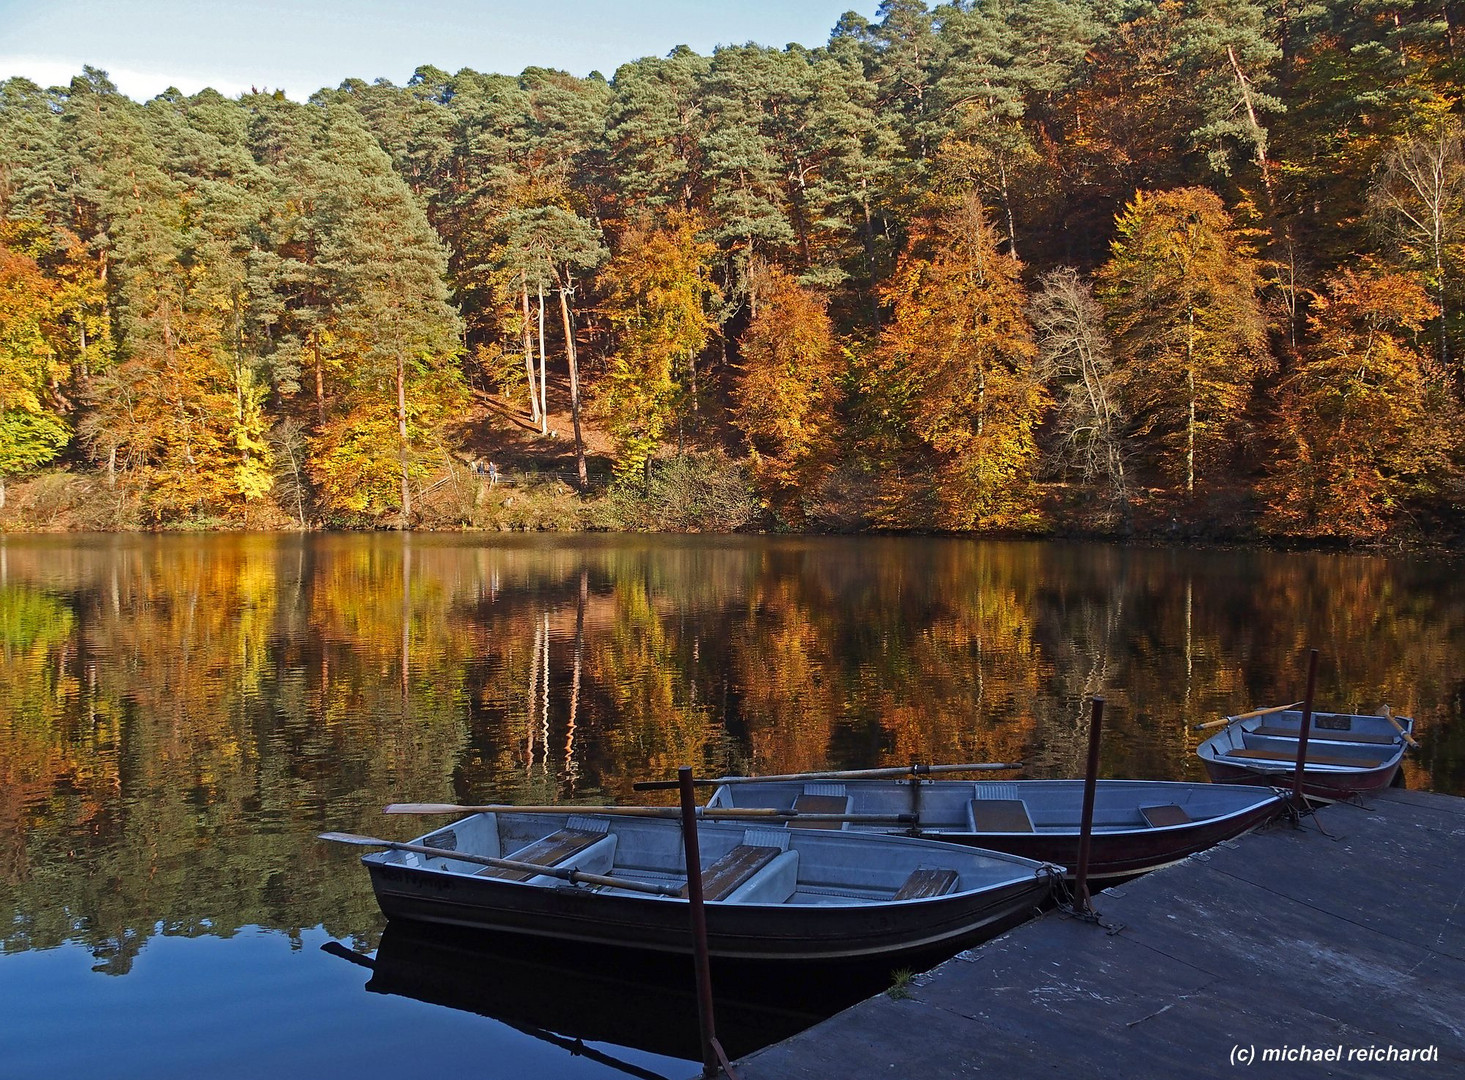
(393, 338)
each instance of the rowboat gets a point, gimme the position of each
(1139, 825)
(771, 893)
(1347, 753)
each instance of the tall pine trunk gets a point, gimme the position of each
(574, 366)
(529, 352)
(543, 389)
(402, 436)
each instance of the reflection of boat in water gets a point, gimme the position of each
(571, 995)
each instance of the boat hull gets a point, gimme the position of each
(1115, 856)
(841, 906)
(1316, 784)
(1348, 755)
(1123, 844)
(744, 932)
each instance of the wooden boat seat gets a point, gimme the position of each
(547, 851)
(1000, 815)
(1160, 816)
(820, 804)
(734, 868)
(1312, 759)
(1326, 735)
(924, 883)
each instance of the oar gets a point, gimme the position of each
(1389, 716)
(729, 814)
(574, 877)
(848, 774)
(1226, 721)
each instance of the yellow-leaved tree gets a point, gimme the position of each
(787, 389)
(1181, 294)
(1367, 424)
(958, 363)
(658, 291)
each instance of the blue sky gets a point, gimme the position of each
(302, 45)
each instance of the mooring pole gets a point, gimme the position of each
(1298, 800)
(1086, 825)
(701, 962)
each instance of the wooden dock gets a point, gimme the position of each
(1288, 953)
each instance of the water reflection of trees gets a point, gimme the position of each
(178, 717)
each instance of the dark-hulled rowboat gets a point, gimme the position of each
(1139, 825)
(1347, 753)
(773, 893)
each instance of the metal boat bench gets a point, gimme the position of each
(1317, 734)
(1000, 815)
(820, 803)
(1168, 814)
(1257, 754)
(761, 869)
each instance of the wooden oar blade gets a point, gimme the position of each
(352, 838)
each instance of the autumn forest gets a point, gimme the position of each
(1052, 266)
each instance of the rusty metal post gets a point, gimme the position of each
(701, 961)
(1086, 825)
(1298, 800)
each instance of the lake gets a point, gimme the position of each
(180, 715)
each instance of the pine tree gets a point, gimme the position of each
(393, 337)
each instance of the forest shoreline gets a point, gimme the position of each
(554, 506)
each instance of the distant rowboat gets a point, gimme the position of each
(1139, 825)
(772, 893)
(1347, 753)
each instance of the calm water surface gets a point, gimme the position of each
(179, 716)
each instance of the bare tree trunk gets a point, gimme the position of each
(574, 364)
(529, 351)
(1007, 207)
(320, 382)
(402, 437)
(543, 388)
(1190, 420)
(870, 253)
(1258, 133)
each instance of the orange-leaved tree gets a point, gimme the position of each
(1367, 424)
(787, 389)
(958, 360)
(1181, 294)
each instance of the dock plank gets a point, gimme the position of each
(1287, 937)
